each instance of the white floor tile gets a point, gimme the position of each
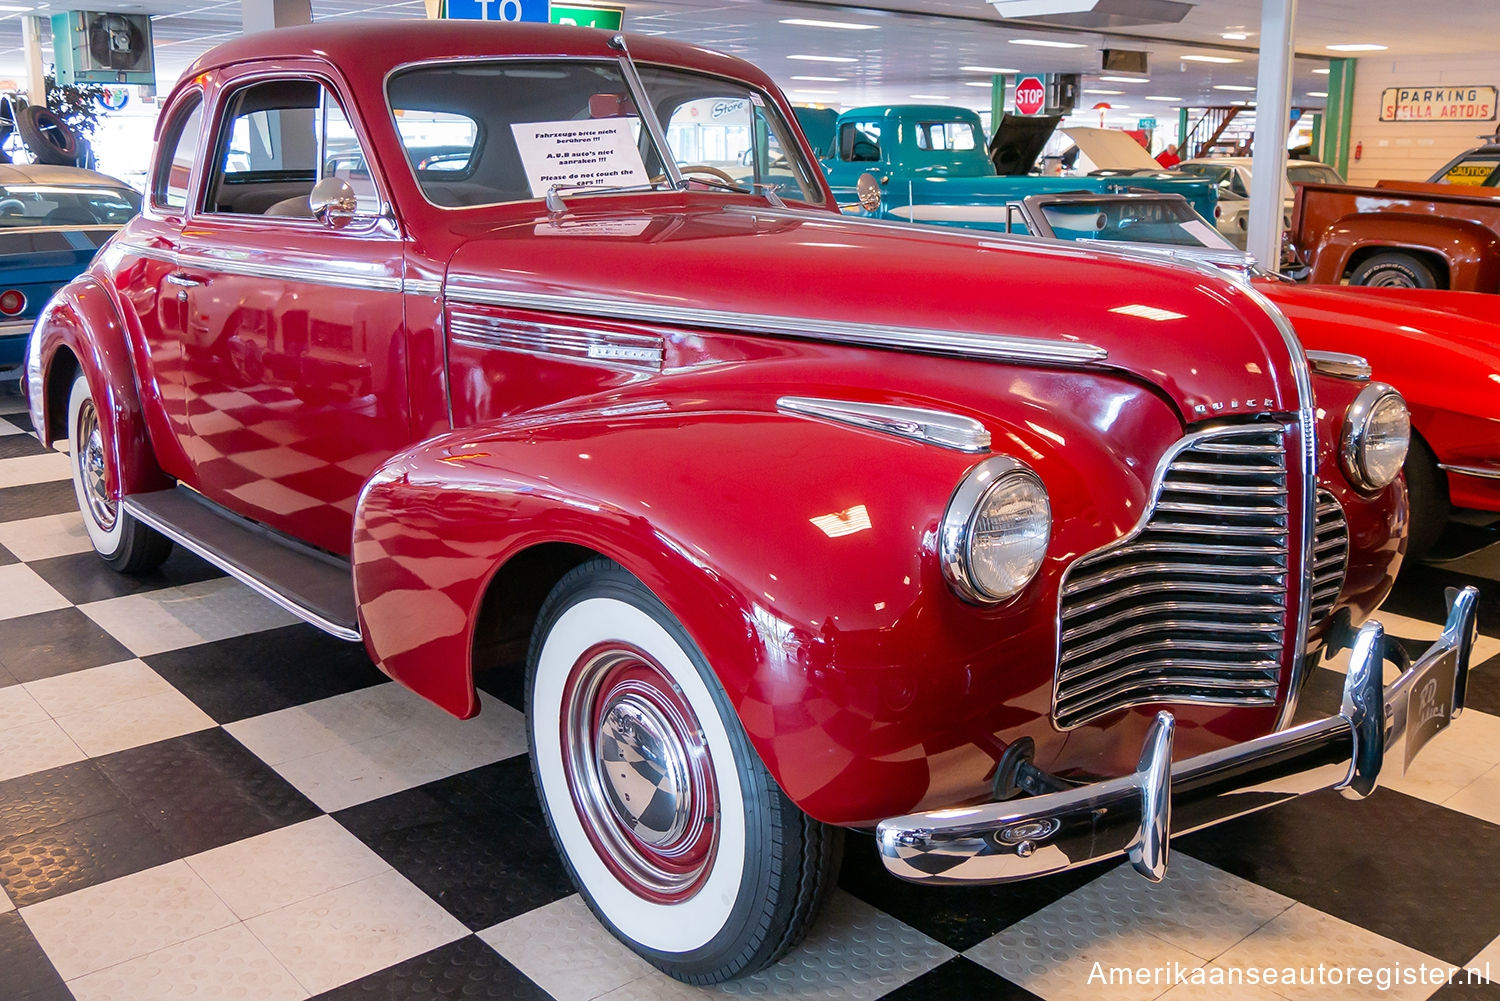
(19, 708)
(1224, 990)
(356, 747)
(6, 904)
(101, 926)
(33, 539)
(566, 952)
(34, 747)
(26, 593)
(225, 965)
(7, 428)
(343, 934)
(1302, 938)
(97, 687)
(1488, 962)
(176, 617)
(24, 469)
(284, 866)
(1454, 761)
(1485, 647)
(130, 724)
(1480, 798)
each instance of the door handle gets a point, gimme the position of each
(182, 280)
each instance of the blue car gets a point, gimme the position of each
(52, 222)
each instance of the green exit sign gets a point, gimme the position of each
(608, 18)
(1146, 124)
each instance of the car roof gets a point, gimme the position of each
(43, 173)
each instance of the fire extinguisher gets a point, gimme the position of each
(1359, 151)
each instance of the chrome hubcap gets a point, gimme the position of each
(89, 454)
(643, 770)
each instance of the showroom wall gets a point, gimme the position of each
(1412, 151)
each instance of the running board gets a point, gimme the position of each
(312, 585)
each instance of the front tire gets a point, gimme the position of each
(120, 540)
(1427, 492)
(670, 825)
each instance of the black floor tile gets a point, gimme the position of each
(957, 916)
(1485, 988)
(55, 796)
(259, 673)
(1419, 594)
(1376, 863)
(475, 842)
(960, 979)
(37, 499)
(506, 683)
(56, 860)
(204, 790)
(84, 577)
(26, 974)
(47, 644)
(7, 557)
(1484, 687)
(15, 445)
(466, 969)
(20, 420)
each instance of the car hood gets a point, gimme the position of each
(1202, 339)
(1110, 149)
(1391, 327)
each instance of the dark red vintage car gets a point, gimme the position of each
(799, 522)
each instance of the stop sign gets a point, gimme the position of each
(1031, 96)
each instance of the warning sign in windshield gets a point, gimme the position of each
(588, 154)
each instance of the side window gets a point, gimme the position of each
(279, 138)
(859, 142)
(1237, 184)
(175, 157)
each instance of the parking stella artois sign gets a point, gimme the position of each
(1438, 104)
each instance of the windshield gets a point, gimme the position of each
(1312, 173)
(485, 133)
(34, 206)
(1134, 220)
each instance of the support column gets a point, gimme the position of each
(1273, 110)
(1339, 117)
(36, 71)
(997, 101)
(1182, 131)
(263, 15)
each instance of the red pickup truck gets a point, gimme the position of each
(1399, 234)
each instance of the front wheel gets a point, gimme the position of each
(1427, 492)
(670, 826)
(120, 540)
(1394, 271)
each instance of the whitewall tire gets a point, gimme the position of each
(668, 822)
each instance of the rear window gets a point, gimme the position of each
(1312, 174)
(33, 206)
(946, 135)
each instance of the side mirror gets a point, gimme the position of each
(868, 190)
(333, 202)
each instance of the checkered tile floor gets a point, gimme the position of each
(201, 797)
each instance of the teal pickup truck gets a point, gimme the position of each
(931, 164)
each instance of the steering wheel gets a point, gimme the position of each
(701, 168)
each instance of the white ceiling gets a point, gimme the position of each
(919, 47)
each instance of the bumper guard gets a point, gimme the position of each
(1135, 815)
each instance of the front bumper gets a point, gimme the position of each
(13, 335)
(1134, 816)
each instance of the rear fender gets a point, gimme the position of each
(1469, 252)
(82, 320)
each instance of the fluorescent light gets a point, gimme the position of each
(1323, 72)
(807, 90)
(823, 79)
(931, 97)
(803, 22)
(1170, 99)
(1223, 60)
(1106, 93)
(978, 83)
(1047, 43)
(825, 59)
(1234, 36)
(1222, 86)
(987, 69)
(15, 10)
(1123, 79)
(1357, 47)
(1317, 93)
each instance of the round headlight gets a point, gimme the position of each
(1377, 432)
(995, 531)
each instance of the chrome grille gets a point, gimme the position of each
(1330, 556)
(1192, 607)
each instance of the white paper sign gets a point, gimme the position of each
(587, 154)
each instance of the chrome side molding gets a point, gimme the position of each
(1480, 471)
(934, 427)
(1135, 815)
(1339, 365)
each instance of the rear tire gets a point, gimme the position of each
(1427, 490)
(120, 540)
(668, 822)
(1394, 270)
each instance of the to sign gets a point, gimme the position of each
(1437, 104)
(1031, 96)
(496, 10)
(608, 18)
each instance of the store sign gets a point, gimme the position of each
(1438, 104)
(1031, 96)
(496, 10)
(608, 18)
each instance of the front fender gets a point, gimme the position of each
(82, 319)
(1471, 252)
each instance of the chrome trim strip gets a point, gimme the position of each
(647, 110)
(637, 352)
(252, 269)
(14, 327)
(1339, 365)
(933, 427)
(243, 576)
(150, 253)
(422, 286)
(1488, 474)
(995, 347)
